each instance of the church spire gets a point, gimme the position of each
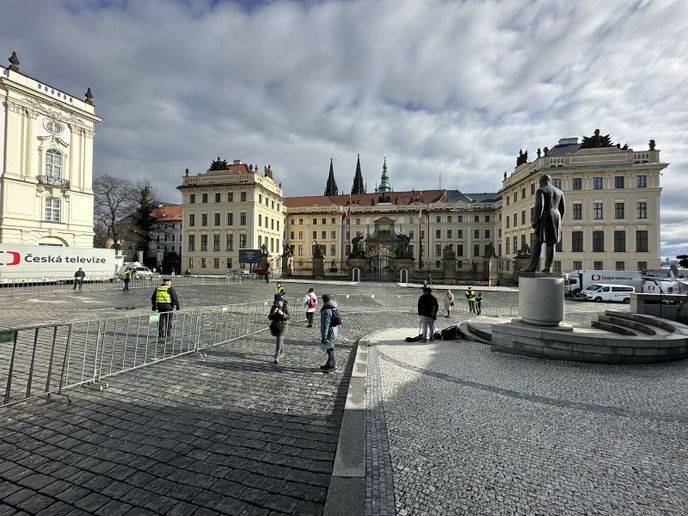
(384, 182)
(358, 187)
(331, 188)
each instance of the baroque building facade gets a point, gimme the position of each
(46, 162)
(612, 219)
(227, 209)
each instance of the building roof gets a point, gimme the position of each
(483, 197)
(561, 149)
(167, 213)
(367, 199)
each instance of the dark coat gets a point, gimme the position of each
(280, 312)
(428, 306)
(549, 209)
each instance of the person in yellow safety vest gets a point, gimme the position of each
(470, 297)
(279, 291)
(164, 298)
(126, 276)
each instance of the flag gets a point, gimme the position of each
(347, 214)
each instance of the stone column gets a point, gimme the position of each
(541, 298)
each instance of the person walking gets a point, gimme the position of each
(479, 303)
(279, 291)
(427, 309)
(164, 299)
(126, 277)
(329, 330)
(470, 297)
(310, 304)
(448, 302)
(279, 315)
(79, 278)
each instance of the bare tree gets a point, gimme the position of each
(115, 201)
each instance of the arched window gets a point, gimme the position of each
(53, 163)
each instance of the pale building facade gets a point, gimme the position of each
(612, 194)
(224, 211)
(46, 162)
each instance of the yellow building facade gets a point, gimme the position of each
(612, 196)
(224, 211)
(46, 162)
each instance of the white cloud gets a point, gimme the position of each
(456, 87)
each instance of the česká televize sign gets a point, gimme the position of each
(43, 261)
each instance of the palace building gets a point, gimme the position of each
(612, 198)
(46, 162)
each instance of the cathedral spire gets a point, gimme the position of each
(331, 188)
(384, 181)
(358, 187)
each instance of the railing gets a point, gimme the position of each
(53, 181)
(18, 286)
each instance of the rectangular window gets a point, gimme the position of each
(190, 263)
(242, 241)
(438, 233)
(618, 181)
(216, 243)
(278, 226)
(459, 233)
(449, 233)
(272, 224)
(642, 266)
(333, 235)
(315, 235)
(476, 250)
(242, 196)
(192, 242)
(556, 183)
(291, 235)
(597, 183)
(641, 241)
(515, 197)
(449, 218)
(230, 196)
(641, 181)
(315, 222)
(508, 219)
(300, 235)
(619, 212)
(358, 221)
(230, 219)
(619, 242)
(203, 263)
(323, 221)
(438, 249)
(514, 242)
(459, 250)
(523, 192)
(260, 198)
(230, 242)
(459, 218)
(577, 211)
(576, 241)
(260, 219)
(598, 266)
(641, 209)
(438, 218)
(411, 234)
(333, 249)
(487, 233)
(515, 219)
(476, 218)
(508, 246)
(597, 210)
(204, 219)
(242, 218)
(323, 235)
(487, 218)
(532, 189)
(577, 265)
(217, 199)
(217, 219)
(229, 263)
(300, 250)
(192, 219)
(204, 242)
(508, 200)
(598, 241)
(523, 217)
(192, 198)
(577, 183)
(216, 263)
(620, 266)
(476, 233)
(272, 245)
(205, 198)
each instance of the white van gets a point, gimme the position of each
(603, 292)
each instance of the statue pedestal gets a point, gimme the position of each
(318, 267)
(449, 269)
(541, 298)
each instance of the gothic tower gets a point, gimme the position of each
(358, 187)
(331, 188)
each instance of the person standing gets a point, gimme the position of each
(279, 291)
(427, 309)
(79, 278)
(279, 315)
(126, 277)
(164, 299)
(329, 330)
(478, 303)
(448, 302)
(470, 297)
(310, 304)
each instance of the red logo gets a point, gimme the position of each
(14, 257)
(596, 277)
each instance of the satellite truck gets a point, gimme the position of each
(578, 280)
(54, 263)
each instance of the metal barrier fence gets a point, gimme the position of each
(19, 286)
(40, 360)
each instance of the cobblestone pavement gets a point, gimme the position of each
(475, 432)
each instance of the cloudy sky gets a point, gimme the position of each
(446, 87)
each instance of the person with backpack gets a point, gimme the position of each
(427, 309)
(310, 304)
(279, 317)
(329, 330)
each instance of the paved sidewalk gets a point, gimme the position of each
(475, 432)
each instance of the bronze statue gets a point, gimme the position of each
(14, 62)
(548, 212)
(402, 249)
(318, 250)
(264, 250)
(522, 158)
(596, 141)
(357, 249)
(652, 145)
(448, 252)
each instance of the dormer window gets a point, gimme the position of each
(53, 127)
(53, 163)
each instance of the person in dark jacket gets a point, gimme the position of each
(328, 333)
(164, 299)
(79, 278)
(427, 309)
(279, 315)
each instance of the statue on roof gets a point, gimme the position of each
(186, 172)
(522, 158)
(652, 145)
(596, 141)
(268, 171)
(218, 164)
(545, 151)
(14, 62)
(505, 174)
(89, 97)
(538, 152)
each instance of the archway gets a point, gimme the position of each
(403, 276)
(355, 274)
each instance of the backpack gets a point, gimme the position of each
(312, 303)
(450, 333)
(276, 327)
(335, 320)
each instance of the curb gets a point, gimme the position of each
(346, 492)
